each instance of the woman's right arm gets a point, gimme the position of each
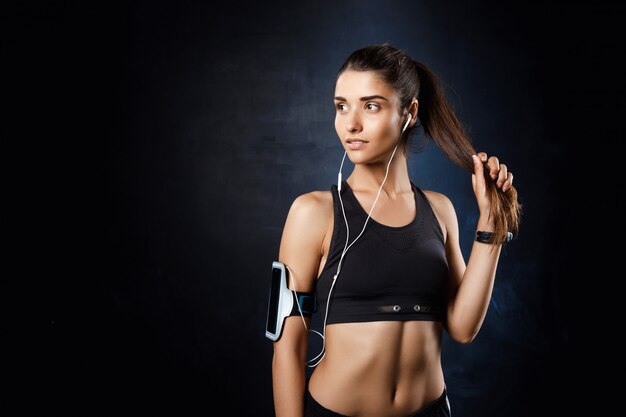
(301, 249)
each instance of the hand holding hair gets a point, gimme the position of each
(486, 169)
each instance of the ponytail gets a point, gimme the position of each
(443, 127)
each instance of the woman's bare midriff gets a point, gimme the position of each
(381, 369)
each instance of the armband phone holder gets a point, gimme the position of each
(283, 302)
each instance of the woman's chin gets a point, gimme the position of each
(359, 157)
(366, 158)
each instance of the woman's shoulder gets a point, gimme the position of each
(440, 203)
(312, 203)
(309, 216)
(443, 209)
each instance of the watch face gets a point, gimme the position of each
(272, 310)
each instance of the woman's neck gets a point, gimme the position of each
(370, 176)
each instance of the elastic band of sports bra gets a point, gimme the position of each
(387, 308)
(397, 308)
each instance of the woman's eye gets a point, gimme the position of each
(341, 107)
(372, 106)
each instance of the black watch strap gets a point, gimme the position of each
(487, 237)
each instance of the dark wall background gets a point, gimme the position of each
(154, 149)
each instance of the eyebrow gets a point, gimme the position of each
(362, 98)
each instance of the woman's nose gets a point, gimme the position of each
(353, 124)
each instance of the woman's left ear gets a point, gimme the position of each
(413, 109)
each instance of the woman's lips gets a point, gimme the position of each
(356, 144)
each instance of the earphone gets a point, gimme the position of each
(346, 246)
(408, 120)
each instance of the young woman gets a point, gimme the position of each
(383, 255)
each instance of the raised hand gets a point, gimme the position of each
(497, 172)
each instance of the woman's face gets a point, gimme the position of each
(366, 119)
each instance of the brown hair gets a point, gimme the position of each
(411, 79)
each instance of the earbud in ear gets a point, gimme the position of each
(408, 120)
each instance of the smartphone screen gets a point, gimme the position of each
(272, 311)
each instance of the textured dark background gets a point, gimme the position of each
(157, 148)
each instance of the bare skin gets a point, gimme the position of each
(384, 368)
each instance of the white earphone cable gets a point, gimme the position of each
(295, 288)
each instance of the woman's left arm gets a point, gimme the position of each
(470, 286)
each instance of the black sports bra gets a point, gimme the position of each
(390, 273)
